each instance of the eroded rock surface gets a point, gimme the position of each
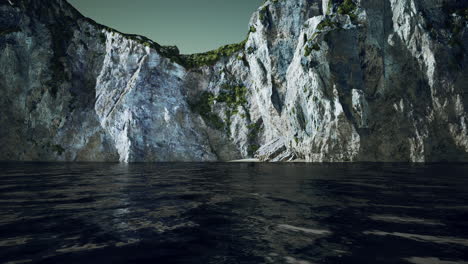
(315, 80)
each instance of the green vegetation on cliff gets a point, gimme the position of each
(211, 57)
(233, 96)
(172, 52)
(203, 107)
(327, 22)
(348, 7)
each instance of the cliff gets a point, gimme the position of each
(315, 80)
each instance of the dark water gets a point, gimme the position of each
(233, 213)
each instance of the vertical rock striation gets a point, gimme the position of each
(315, 80)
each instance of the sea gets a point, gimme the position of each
(288, 213)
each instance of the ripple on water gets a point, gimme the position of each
(193, 213)
(305, 230)
(404, 220)
(422, 238)
(431, 260)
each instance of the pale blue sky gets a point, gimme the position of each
(192, 25)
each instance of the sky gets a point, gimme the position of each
(192, 25)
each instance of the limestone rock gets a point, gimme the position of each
(315, 80)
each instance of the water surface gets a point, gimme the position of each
(233, 213)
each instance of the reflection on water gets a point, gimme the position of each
(233, 213)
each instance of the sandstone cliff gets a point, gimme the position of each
(315, 80)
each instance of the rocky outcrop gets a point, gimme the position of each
(315, 80)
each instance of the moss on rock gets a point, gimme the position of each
(348, 7)
(231, 95)
(327, 22)
(211, 57)
(203, 107)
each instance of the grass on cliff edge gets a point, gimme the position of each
(172, 52)
(211, 57)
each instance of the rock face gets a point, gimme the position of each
(315, 80)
